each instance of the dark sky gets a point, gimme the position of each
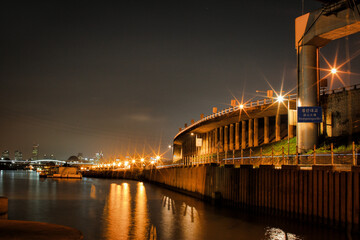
(85, 76)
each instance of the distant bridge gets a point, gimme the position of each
(39, 161)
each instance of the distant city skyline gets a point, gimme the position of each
(123, 77)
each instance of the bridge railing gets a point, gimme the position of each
(238, 157)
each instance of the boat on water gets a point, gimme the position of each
(61, 172)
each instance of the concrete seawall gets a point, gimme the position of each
(320, 194)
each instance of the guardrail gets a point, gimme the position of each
(343, 159)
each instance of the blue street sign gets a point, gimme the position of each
(309, 114)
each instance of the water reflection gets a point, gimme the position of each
(118, 212)
(123, 209)
(278, 234)
(93, 192)
(141, 212)
(127, 218)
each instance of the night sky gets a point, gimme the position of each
(86, 76)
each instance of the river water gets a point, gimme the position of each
(125, 209)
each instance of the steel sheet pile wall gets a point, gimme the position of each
(322, 194)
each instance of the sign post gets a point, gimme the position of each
(309, 114)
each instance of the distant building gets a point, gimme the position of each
(99, 156)
(18, 155)
(80, 156)
(5, 155)
(35, 152)
(73, 159)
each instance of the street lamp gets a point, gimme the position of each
(333, 70)
(142, 162)
(280, 98)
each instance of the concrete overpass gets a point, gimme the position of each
(236, 128)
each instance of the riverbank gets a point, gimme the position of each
(14, 229)
(319, 194)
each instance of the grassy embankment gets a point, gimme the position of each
(340, 145)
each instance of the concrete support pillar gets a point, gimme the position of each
(291, 131)
(256, 132)
(216, 140)
(198, 149)
(213, 141)
(251, 132)
(206, 143)
(221, 133)
(208, 136)
(266, 130)
(226, 138)
(203, 146)
(237, 137)
(231, 137)
(243, 136)
(277, 127)
(308, 94)
(209, 142)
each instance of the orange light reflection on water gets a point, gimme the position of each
(168, 217)
(190, 221)
(127, 218)
(141, 212)
(118, 211)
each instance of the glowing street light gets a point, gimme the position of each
(333, 70)
(126, 163)
(142, 160)
(133, 161)
(169, 146)
(241, 106)
(157, 157)
(280, 98)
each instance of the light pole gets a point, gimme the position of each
(281, 99)
(142, 162)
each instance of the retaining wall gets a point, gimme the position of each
(321, 194)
